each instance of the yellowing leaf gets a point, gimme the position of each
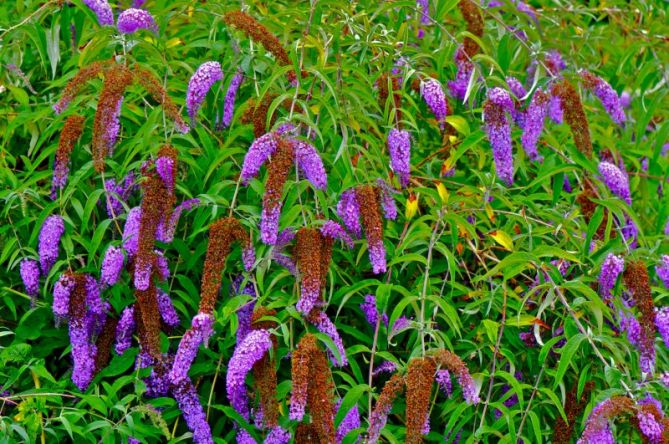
(443, 192)
(171, 43)
(489, 211)
(412, 206)
(503, 239)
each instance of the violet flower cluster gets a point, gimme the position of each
(662, 270)
(611, 268)
(499, 132)
(434, 97)
(616, 180)
(30, 274)
(49, 241)
(458, 87)
(199, 85)
(399, 148)
(131, 20)
(324, 325)
(606, 94)
(230, 95)
(102, 10)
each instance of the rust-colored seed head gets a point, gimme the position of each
(104, 343)
(472, 15)
(77, 309)
(384, 92)
(117, 79)
(79, 80)
(249, 111)
(147, 318)
(368, 199)
(420, 376)
(278, 170)
(222, 234)
(306, 434)
(156, 204)
(574, 115)
(574, 408)
(308, 255)
(588, 207)
(264, 371)
(300, 364)
(153, 86)
(72, 129)
(260, 115)
(259, 34)
(636, 280)
(320, 394)
(393, 388)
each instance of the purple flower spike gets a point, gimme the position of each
(443, 379)
(204, 78)
(165, 169)
(606, 95)
(186, 353)
(325, 326)
(49, 241)
(616, 180)
(277, 436)
(83, 354)
(350, 422)
(401, 324)
(190, 406)
(167, 228)
(555, 109)
(458, 87)
(399, 148)
(469, 391)
(597, 430)
(124, 329)
(248, 352)
(230, 95)
(131, 231)
(434, 96)
(424, 7)
(29, 270)
(259, 151)
(204, 324)
(112, 265)
(167, 311)
(369, 309)
(333, 230)
(662, 323)
(131, 20)
(533, 124)
(103, 10)
(554, 63)
(516, 87)
(385, 367)
(114, 127)
(269, 223)
(499, 132)
(61, 296)
(348, 210)
(649, 426)
(387, 199)
(377, 255)
(613, 265)
(662, 270)
(310, 164)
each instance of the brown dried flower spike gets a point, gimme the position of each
(222, 234)
(472, 15)
(574, 115)
(419, 386)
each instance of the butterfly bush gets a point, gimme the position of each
(399, 148)
(49, 241)
(498, 129)
(102, 10)
(132, 20)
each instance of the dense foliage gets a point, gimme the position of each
(333, 221)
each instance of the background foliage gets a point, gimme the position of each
(460, 267)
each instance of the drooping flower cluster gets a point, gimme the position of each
(112, 265)
(399, 148)
(393, 388)
(313, 388)
(49, 242)
(349, 210)
(72, 129)
(131, 20)
(229, 104)
(533, 123)
(612, 267)
(199, 85)
(662, 270)
(420, 376)
(434, 97)
(636, 280)
(30, 274)
(616, 180)
(285, 152)
(498, 128)
(571, 106)
(327, 327)
(102, 10)
(606, 94)
(573, 407)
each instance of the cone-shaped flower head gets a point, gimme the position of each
(199, 85)
(131, 20)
